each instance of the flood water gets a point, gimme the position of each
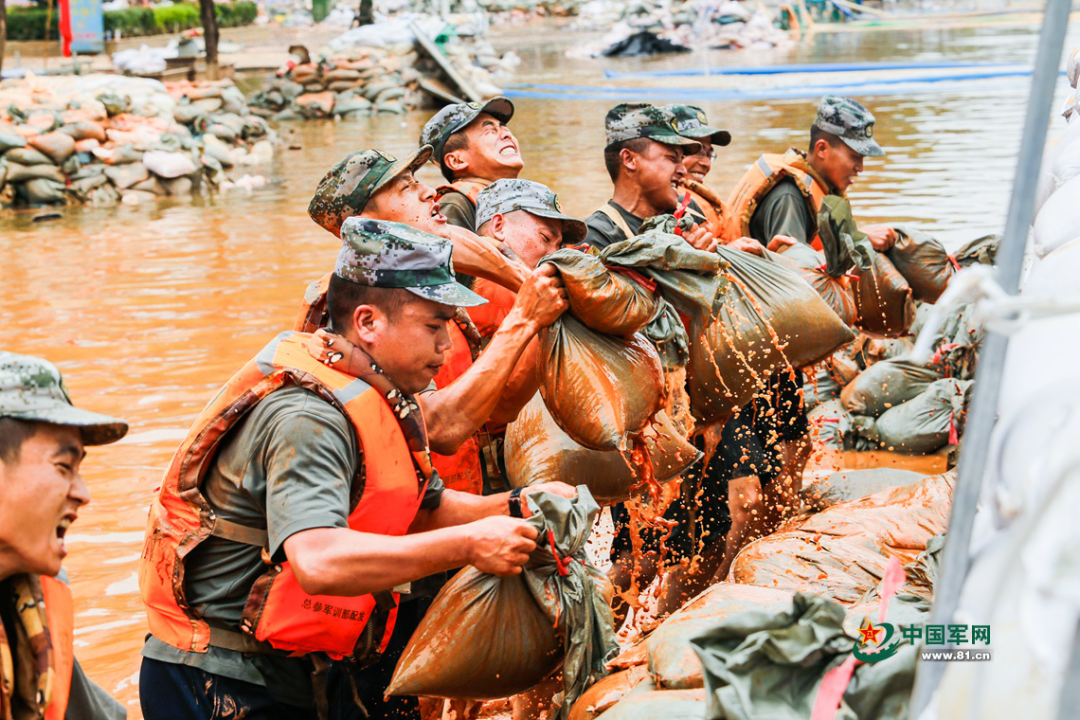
(147, 310)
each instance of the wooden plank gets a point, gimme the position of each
(428, 46)
(439, 91)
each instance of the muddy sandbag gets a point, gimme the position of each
(810, 264)
(821, 386)
(925, 423)
(604, 694)
(884, 300)
(42, 191)
(852, 485)
(673, 664)
(603, 300)
(124, 176)
(887, 384)
(742, 311)
(538, 451)
(28, 156)
(659, 705)
(842, 568)
(900, 520)
(487, 637)
(169, 165)
(57, 145)
(10, 140)
(316, 105)
(923, 261)
(845, 247)
(600, 389)
(19, 173)
(831, 425)
(874, 350)
(980, 250)
(81, 188)
(84, 130)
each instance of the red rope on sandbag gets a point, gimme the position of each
(943, 348)
(954, 437)
(682, 211)
(955, 264)
(561, 564)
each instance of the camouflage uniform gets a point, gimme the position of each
(506, 196)
(346, 189)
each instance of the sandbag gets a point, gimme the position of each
(821, 386)
(659, 705)
(84, 130)
(28, 156)
(44, 191)
(830, 424)
(18, 173)
(673, 664)
(840, 568)
(600, 389)
(980, 250)
(742, 311)
(604, 301)
(538, 451)
(487, 637)
(845, 247)
(604, 694)
(899, 520)
(886, 385)
(57, 145)
(923, 261)
(924, 424)
(1057, 222)
(884, 300)
(852, 485)
(10, 140)
(316, 105)
(169, 165)
(874, 350)
(124, 176)
(811, 265)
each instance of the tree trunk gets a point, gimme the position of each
(210, 36)
(365, 16)
(3, 31)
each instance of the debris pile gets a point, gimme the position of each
(649, 27)
(379, 69)
(104, 139)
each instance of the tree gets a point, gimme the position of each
(210, 37)
(365, 15)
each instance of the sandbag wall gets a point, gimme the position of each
(105, 139)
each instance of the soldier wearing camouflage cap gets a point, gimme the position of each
(473, 148)
(42, 446)
(519, 211)
(315, 457)
(644, 158)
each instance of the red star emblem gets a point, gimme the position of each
(870, 633)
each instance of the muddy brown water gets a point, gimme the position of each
(147, 310)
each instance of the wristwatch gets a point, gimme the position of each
(515, 503)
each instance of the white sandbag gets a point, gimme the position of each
(169, 165)
(1058, 222)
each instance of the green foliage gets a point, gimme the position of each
(29, 23)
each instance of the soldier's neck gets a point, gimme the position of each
(629, 197)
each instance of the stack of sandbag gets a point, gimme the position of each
(847, 485)
(488, 637)
(923, 262)
(538, 451)
(748, 318)
(813, 267)
(926, 423)
(104, 139)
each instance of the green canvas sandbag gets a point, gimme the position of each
(821, 386)
(812, 267)
(11, 140)
(538, 451)
(42, 191)
(884, 300)
(845, 247)
(980, 250)
(923, 261)
(604, 301)
(923, 424)
(659, 705)
(888, 384)
(853, 484)
(488, 637)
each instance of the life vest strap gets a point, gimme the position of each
(238, 641)
(229, 530)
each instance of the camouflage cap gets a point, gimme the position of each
(31, 389)
(387, 254)
(504, 196)
(629, 121)
(691, 122)
(849, 121)
(453, 118)
(346, 189)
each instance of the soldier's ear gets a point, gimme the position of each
(821, 147)
(498, 225)
(368, 321)
(628, 158)
(454, 162)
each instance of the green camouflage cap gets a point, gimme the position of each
(349, 185)
(849, 121)
(453, 118)
(629, 121)
(504, 196)
(32, 389)
(690, 121)
(387, 254)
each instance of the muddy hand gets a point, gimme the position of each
(701, 238)
(881, 237)
(501, 545)
(746, 244)
(542, 297)
(555, 488)
(779, 242)
(330, 349)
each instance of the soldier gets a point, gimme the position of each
(303, 498)
(42, 445)
(644, 158)
(473, 148)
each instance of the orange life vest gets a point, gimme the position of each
(712, 220)
(489, 316)
(460, 471)
(278, 613)
(760, 178)
(469, 188)
(60, 615)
